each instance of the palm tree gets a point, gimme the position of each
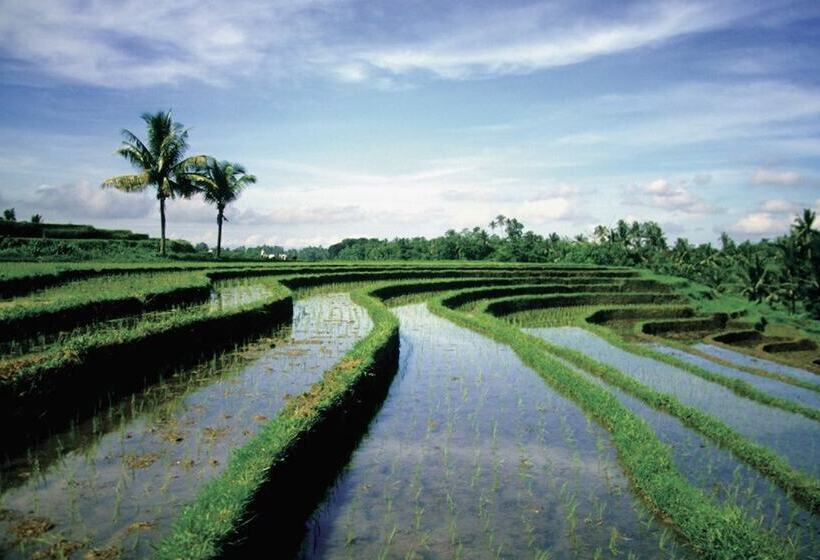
(220, 183)
(754, 279)
(160, 163)
(803, 230)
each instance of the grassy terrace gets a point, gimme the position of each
(279, 464)
(805, 488)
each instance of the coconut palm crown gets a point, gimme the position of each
(220, 183)
(161, 163)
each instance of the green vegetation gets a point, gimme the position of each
(43, 381)
(714, 532)
(224, 506)
(160, 164)
(105, 297)
(220, 183)
(300, 450)
(804, 488)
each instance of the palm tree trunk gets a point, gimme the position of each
(219, 233)
(162, 225)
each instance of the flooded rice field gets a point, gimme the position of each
(793, 436)
(473, 456)
(112, 485)
(728, 480)
(225, 295)
(768, 385)
(751, 361)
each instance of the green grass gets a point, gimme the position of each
(220, 511)
(84, 301)
(505, 306)
(804, 488)
(715, 532)
(223, 506)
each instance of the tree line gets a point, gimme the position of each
(784, 271)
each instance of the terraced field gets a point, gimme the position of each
(397, 411)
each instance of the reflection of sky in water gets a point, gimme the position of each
(126, 488)
(746, 360)
(718, 473)
(233, 293)
(767, 385)
(793, 436)
(473, 456)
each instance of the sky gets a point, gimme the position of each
(370, 118)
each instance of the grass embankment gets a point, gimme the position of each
(287, 465)
(516, 304)
(780, 325)
(802, 487)
(41, 390)
(713, 531)
(70, 305)
(788, 379)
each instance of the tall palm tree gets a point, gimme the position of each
(220, 183)
(160, 163)
(803, 230)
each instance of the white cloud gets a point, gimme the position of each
(83, 200)
(522, 40)
(764, 176)
(662, 194)
(760, 224)
(779, 206)
(302, 215)
(127, 43)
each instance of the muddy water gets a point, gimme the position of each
(746, 360)
(473, 456)
(793, 436)
(773, 387)
(121, 492)
(729, 481)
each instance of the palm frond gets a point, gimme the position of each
(131, 139)
(136, 157)
(128, 183)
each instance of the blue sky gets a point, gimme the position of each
(401, 118)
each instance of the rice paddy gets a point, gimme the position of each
(485, 444)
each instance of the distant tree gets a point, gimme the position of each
(220, 183)
(201, 247)
(803, 230)
(727, 244)
(160, 163)
(754, 276)
(601, 234)
(9, 215)
(36, 219)
(787, 287)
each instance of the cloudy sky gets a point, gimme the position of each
(408, 117)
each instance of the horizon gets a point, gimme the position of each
(364, 121)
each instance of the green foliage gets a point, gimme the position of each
(9, 215)
(33, 249)
(64, 231)
(95, 299)
(223, 506)
(160, 163)
(713, 531)
(220, 183)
